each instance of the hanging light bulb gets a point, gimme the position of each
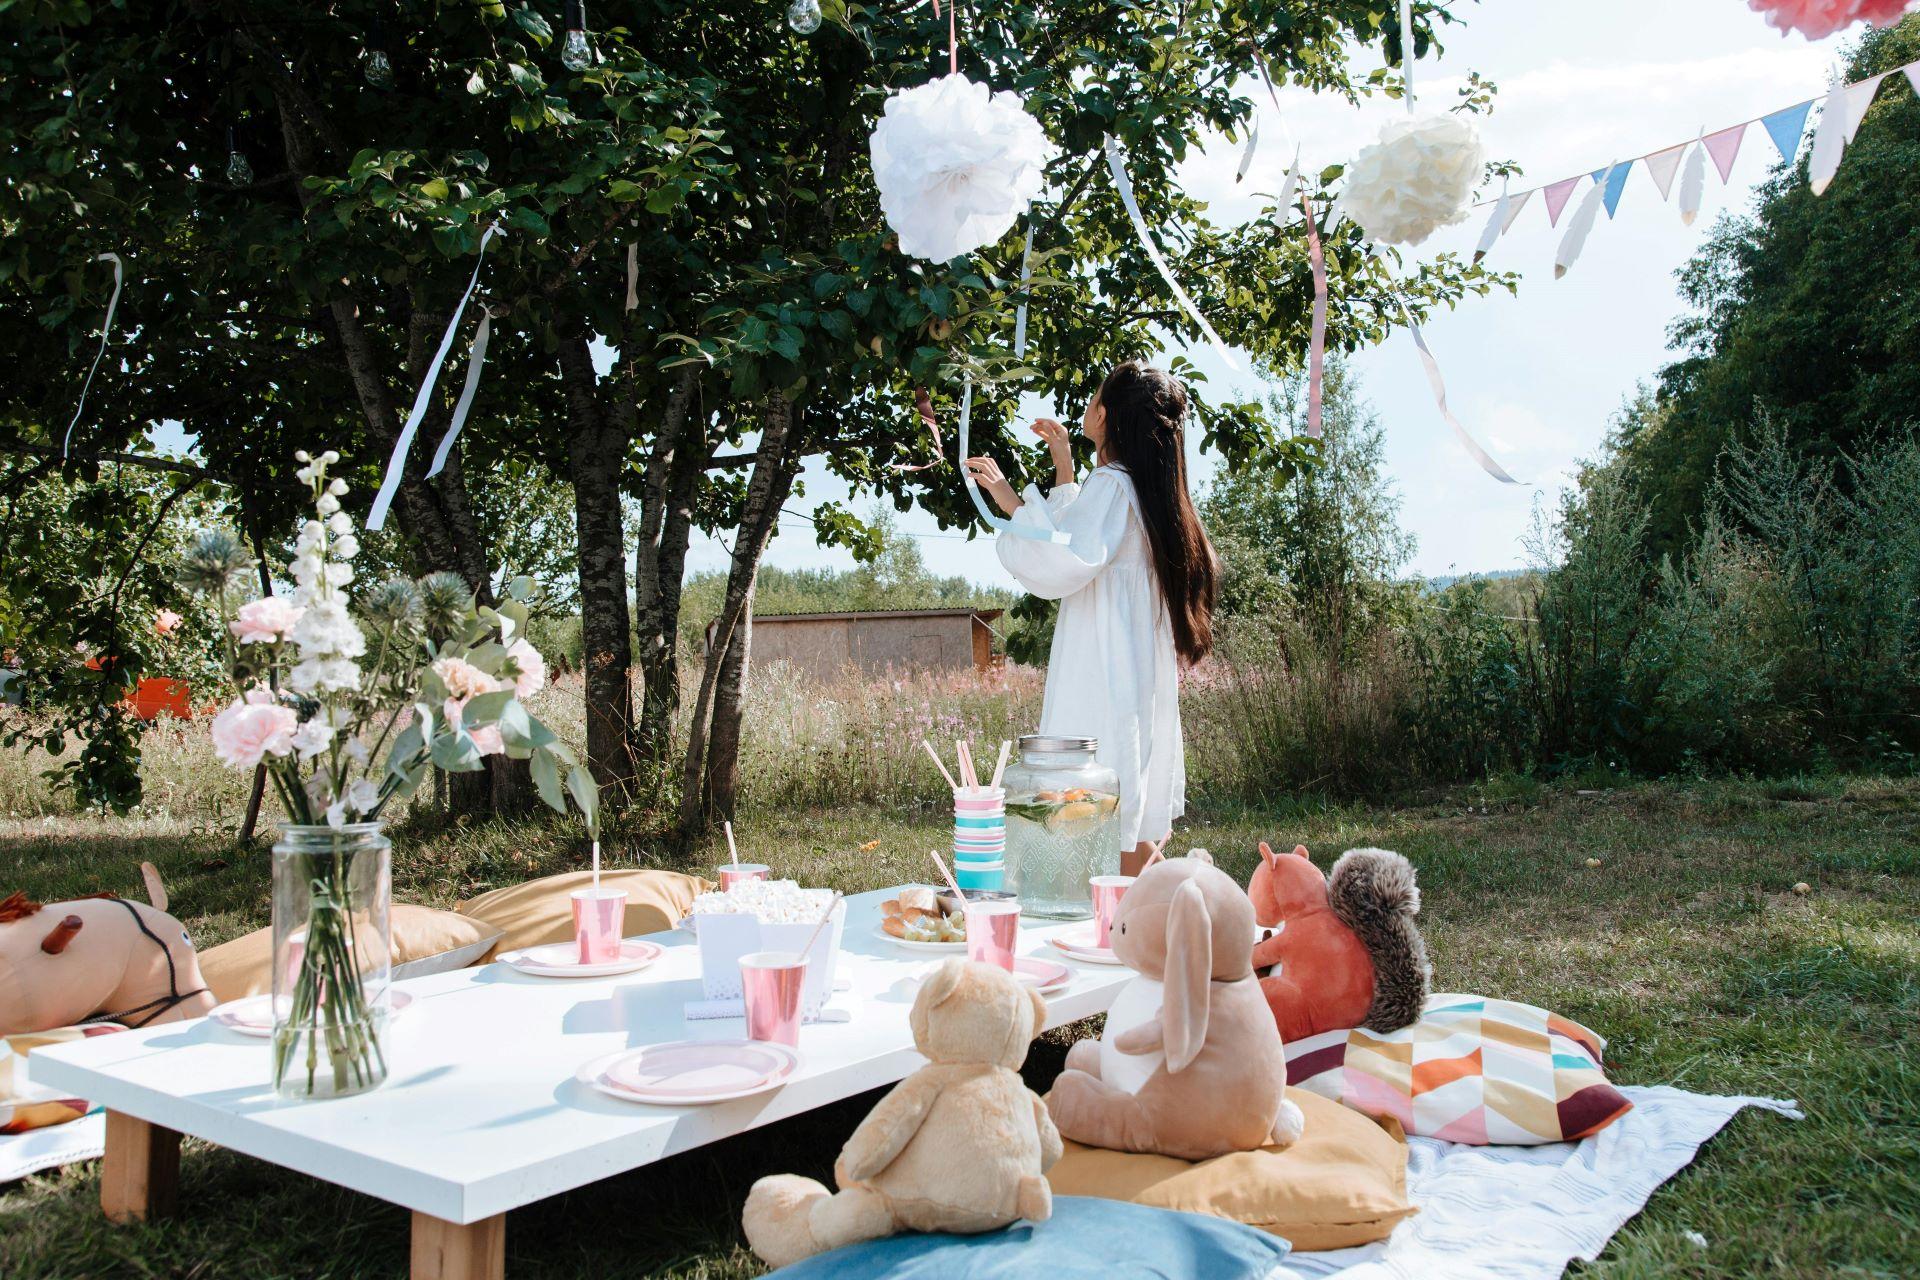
(804, 16)
(575, 53)
(377, 67)
(239, 172)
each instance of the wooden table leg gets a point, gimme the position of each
(140, 1177)
(445, 1251)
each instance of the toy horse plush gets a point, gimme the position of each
(1338, 953)
(98, 959)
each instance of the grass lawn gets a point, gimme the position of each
(1687, 947)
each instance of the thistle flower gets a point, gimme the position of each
(209, 565)
(394, 603)
(445, 601)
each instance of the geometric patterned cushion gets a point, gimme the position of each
(1472, 1070)
(24, 1105)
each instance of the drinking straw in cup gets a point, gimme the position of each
(1107, 892)
(736, 873)
(772, 982)
(993, 931)
(598, 915)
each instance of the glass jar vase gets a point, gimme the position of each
(332, 959)
(1063, 825)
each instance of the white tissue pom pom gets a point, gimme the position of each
(1416, 179)
(956, 165)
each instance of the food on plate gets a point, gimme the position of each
(918, 915)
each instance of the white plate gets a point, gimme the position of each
(921, 946)
(253, 1015)
(1076, 949)
(695, 1061)
(557, 960)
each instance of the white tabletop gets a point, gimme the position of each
(481, 1114)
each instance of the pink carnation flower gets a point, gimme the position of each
(463, 679)
(247, 732)
(486, 737)
(265, 621)
(166, 622)
(1818, 19)
(531, 669)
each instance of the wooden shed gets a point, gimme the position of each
(823, 645)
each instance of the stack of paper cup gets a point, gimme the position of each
(979, 837)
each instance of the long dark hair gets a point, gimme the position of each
(1146, 412)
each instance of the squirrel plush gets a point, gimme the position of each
(1338, 952)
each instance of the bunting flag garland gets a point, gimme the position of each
(1616, 183)
(1913, 75)
(476, 360)
(1125, 188)
(1693, 181)
(1662, 165)
(1557, 199)
(1860, 97)
(1723, 147)
(1496, 223)
(1514, 206)
(1037, 534)
(390, 485)
(1829, 142)
(1578, 228)
(106, 336)
(1439, 385)
(1786, 127)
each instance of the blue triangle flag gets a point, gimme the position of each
(1616, 183)
(1599, 175)
(1785, 128)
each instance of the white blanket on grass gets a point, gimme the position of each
(37, 1149)
(1523, 1213)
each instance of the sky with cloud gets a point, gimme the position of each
(1536, 376)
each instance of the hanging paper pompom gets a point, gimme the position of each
(1818, 19)
(1416, 179)
(956, 164)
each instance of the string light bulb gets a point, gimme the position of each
(804, 16)
(239, 172)
(575, 53)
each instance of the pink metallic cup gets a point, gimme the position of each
(993, 931)
(598, 917)
(733, 873)
(772, 982)
(1107, 892)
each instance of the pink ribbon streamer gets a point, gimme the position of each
(1317, 344)
(923, 405)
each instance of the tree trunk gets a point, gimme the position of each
(674, 467)
(729, 696)
(597, 456)
(775, 464)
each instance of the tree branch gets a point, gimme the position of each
(126, 459)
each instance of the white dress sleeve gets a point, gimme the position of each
(1094, 514)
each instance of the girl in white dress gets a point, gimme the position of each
(1136, 589)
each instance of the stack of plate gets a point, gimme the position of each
(562, 960)
(690, 1073)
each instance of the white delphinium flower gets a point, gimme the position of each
(312, 737)
(363, 795)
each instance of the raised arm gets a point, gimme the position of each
(1094, 513)
(887, 1130)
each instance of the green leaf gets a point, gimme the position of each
(485, 708)
(456, 752)
(546, 780)
(476, 84)
(585, 794)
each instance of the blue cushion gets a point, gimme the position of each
(1085, 1239)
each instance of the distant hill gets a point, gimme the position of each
(1491, 575)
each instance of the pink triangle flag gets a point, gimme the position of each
(1663, 165)
(1913, 75)
(1514, 206)
(1557, 195)
(1859, 98)
(1723, 147)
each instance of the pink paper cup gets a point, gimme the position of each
(993, 931)
(771, 982)
(598, 917)
(1107, 892)
(732, 873)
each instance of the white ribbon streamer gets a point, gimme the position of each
(633, 275)
(476, 359)
(1020, 312)
(106, 334)
(1125, 187)
(1004, 525)
(1406, 50)
(377, 517)
(1284, 209)
(1439, 385)
(1246, 157)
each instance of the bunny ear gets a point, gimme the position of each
(1187, 993)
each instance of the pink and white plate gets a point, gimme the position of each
(1042, 975)
(690, 1073)
(1080, 947)
(253, 1015)
(562, 960)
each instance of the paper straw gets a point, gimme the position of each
(824, 917)
(951, 882)
(733, 850)
(596, 868)
(967, 774)
(939, 764)
(1000, 765)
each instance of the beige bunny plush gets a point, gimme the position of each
(1190, 1064)
(960, 1145)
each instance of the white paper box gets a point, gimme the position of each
(726, 936)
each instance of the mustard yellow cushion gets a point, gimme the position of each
(25, 1105)
(424, 941)
(541, 911)
(1343, 1183)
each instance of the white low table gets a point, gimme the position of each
(481, 1113)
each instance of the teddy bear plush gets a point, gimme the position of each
(100, 959)
(1341, 952)
(960, 1145)
(1190, 1064)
